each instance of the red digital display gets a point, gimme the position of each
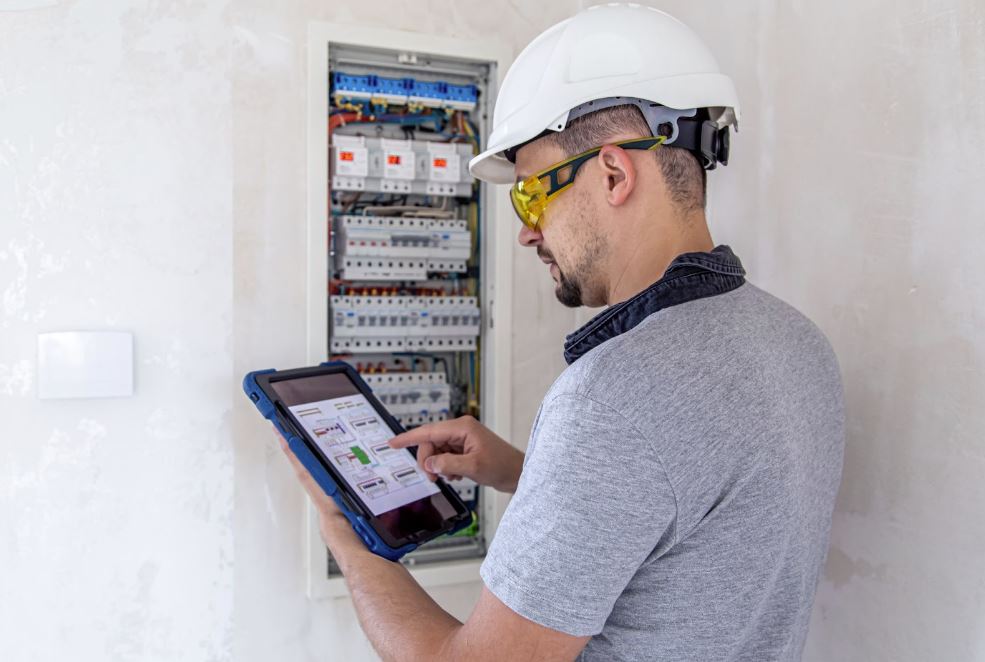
(393, 159)
(346, 156)
(441, 163)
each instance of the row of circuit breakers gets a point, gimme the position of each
(414, 398)
(391, 248)
(367, 324)
(388, 165)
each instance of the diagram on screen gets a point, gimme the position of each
(333, 433)
(353, 437)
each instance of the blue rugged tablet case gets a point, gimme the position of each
(363, 528)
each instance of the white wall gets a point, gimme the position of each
(116, 516)
(152, 163)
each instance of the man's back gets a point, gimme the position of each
(691, 464)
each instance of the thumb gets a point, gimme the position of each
(450, 464)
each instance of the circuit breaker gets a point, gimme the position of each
(407, 261)
(401, 249)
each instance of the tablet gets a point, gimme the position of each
(339, 431)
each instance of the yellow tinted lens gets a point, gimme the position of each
(519, 200)
(529, 200)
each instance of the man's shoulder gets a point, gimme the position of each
(745, 326)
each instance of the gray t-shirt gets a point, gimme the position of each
(676, 497)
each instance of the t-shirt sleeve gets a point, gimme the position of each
(592, 504)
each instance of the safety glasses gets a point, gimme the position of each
(531, 195)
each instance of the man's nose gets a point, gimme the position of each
(528, 237)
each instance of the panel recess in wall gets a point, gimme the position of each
(410, 256)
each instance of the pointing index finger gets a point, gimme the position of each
(413, 437)
(437, 433)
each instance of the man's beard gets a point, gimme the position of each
(568, 290)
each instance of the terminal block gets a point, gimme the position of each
(430, 94)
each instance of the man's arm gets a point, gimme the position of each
(402, 621)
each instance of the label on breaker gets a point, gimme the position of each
(445, 164)
(351, 161)
(398, 164)
(398, 159)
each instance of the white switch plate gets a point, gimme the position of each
(85, 364)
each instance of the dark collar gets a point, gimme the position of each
(690, 276)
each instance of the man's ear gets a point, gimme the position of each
(619, 172)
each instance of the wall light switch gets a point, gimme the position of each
(85, 364)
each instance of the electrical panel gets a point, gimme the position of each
(406, 267)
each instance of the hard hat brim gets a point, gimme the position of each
(491, 166)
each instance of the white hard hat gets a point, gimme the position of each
(604, 56)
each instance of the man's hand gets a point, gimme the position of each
(335, 528)
(464, 447)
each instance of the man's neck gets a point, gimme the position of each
(646, 260)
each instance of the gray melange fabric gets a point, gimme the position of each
(677, 493)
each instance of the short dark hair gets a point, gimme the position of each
(686, 180)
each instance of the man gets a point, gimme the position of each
(676, 496)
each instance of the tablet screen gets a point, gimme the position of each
(353, 436)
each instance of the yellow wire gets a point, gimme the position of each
(471, 135)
